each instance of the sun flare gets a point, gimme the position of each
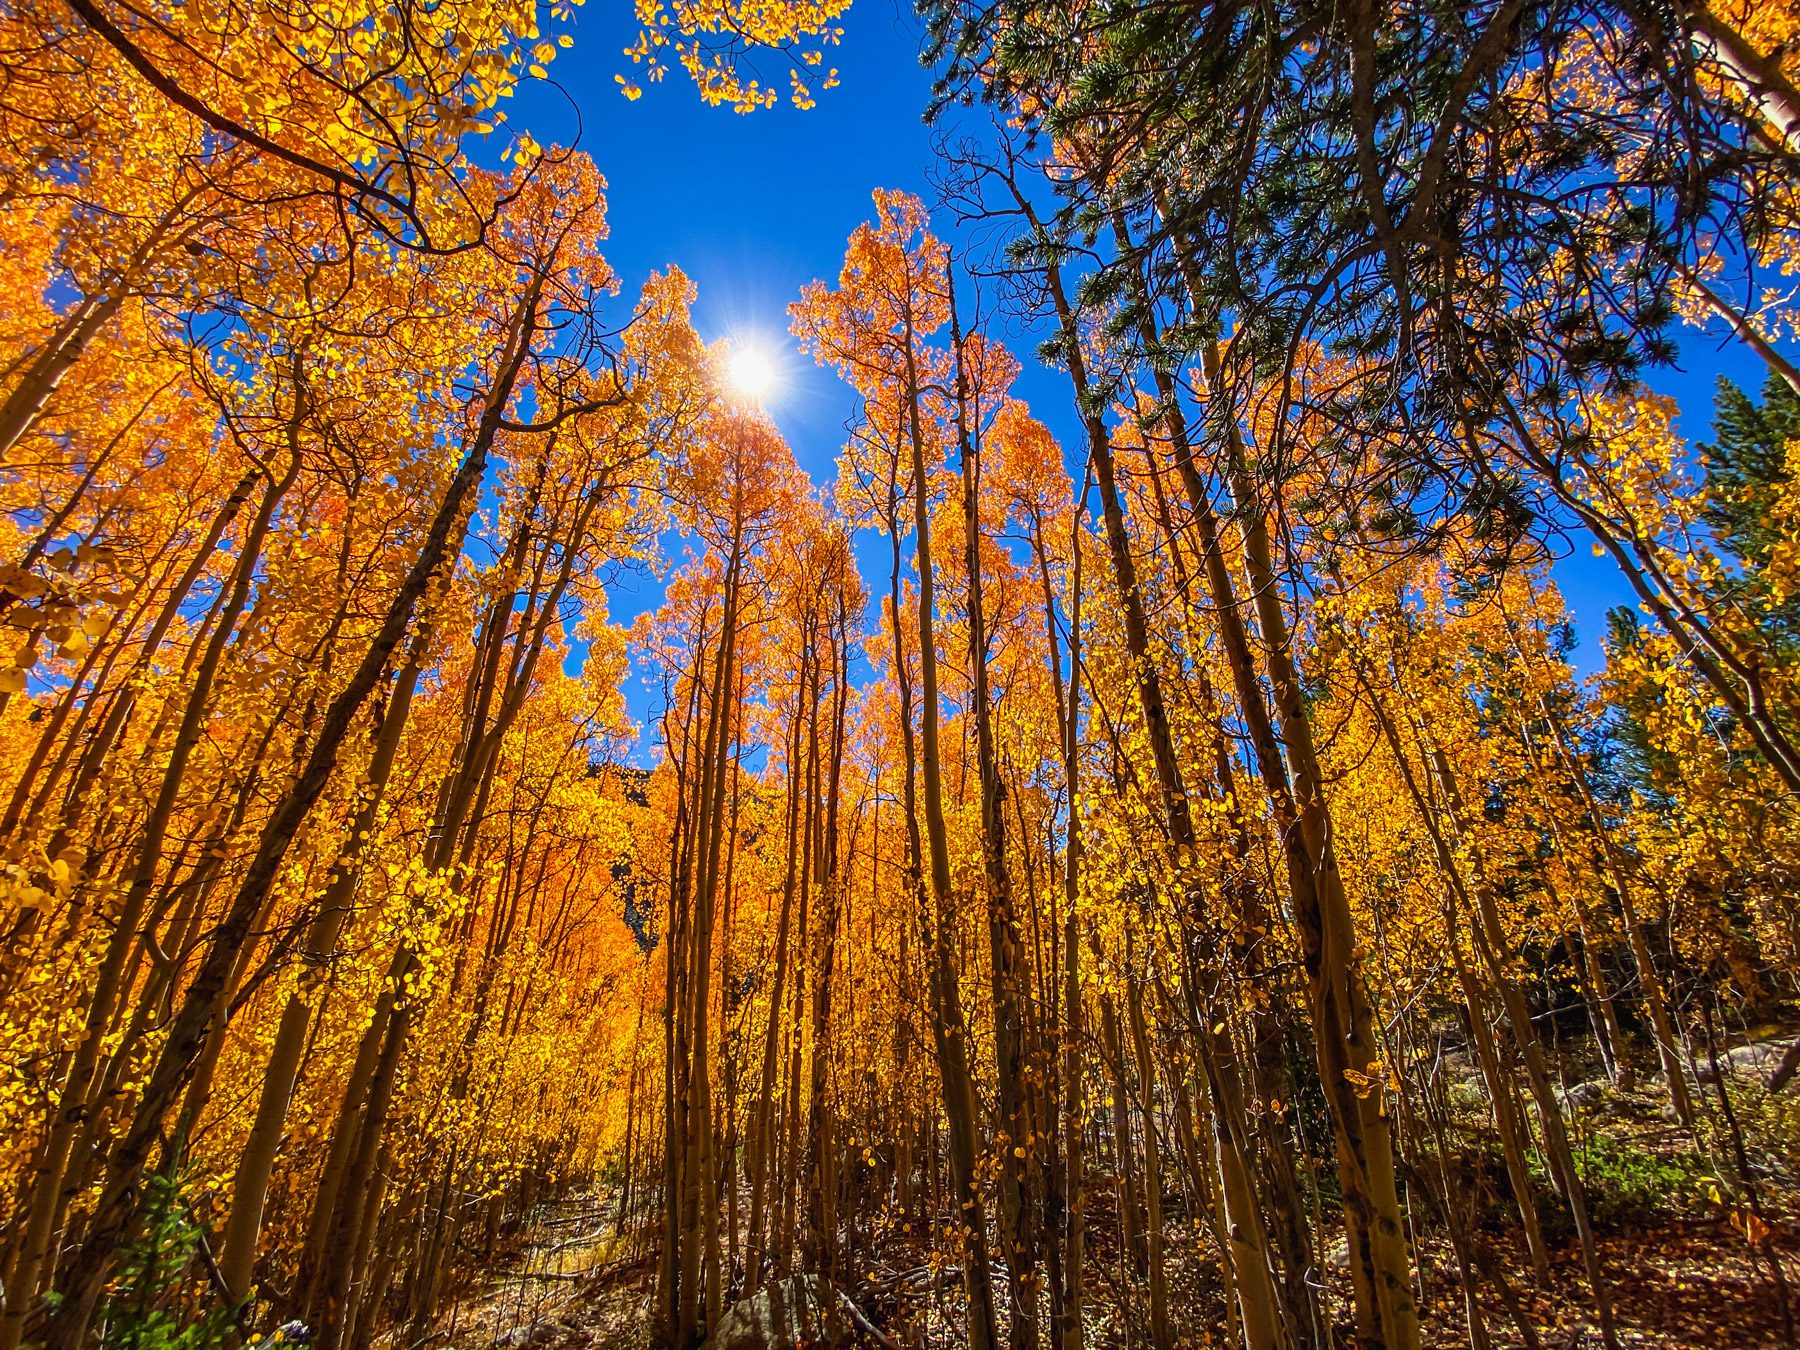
(750, 372)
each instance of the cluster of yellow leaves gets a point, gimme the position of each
(717, 41)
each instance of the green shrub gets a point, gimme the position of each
(1629, 1184)
(156, 1302)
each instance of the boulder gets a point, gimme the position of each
(804, 1311)
(527, 1337)
(1758, 1061)
(1585, 1096)
(1457, 1066)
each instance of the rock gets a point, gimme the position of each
(1757, 1060)
(527, 1337)
(1457, 1067)
(1446, 1057)
(1338, 1258)
(805, 1311)
(1787, 1070)
(1585, 1096)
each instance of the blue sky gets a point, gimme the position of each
(753, 207)
(750, 206)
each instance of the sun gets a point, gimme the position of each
(750, 372)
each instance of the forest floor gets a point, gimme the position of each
(568, 1281)
(1686, 1252)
